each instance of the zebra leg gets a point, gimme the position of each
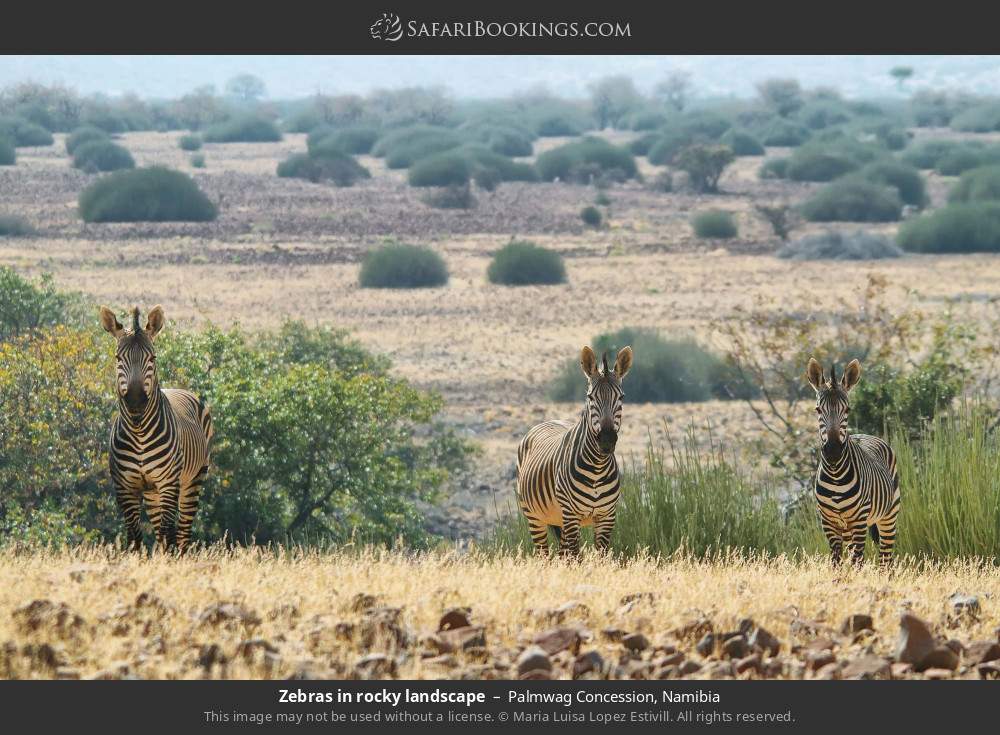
(602, 531)
(834, 538)
(129, 503)
(886, 537)
(539, 535)
(166, 533)
(859, 533)
(187, 507)
(570, 541)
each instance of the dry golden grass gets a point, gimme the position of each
(253, 614)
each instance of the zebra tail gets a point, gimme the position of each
(873, 532)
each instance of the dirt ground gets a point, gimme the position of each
(287, 248)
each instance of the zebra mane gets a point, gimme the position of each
(604, 359)
(833, 373)
(135, 319)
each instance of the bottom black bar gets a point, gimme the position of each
(388, 706)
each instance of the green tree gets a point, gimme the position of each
(246, 87)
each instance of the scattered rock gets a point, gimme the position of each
(915, 639)
(589, 662)
(446, 660)
(362, 602)
(867, 667)
(829, 671)
(940, 657)
(938, 674)
(856, 623)
(533, 658)
(689, 667)
(694, 629)
(612, 634)
(899, 670)
(981, 652)
(749, 663)
(65, 672)
(635, 642)
(736, 647)
(820, 644)
(762, 640)
(955, 645)
(247, 649)
(463, 639)
(816, 660)
(706, 646)
(535, 674)
(375, 665)
(670, 659)
(558, 639)
(45, 614)
(228, 614)
(116, 671)
(964, 606)
(211, 654)
(456, 617)
(988, 671)
(568, 610)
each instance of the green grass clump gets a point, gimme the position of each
(853, 201)
(197, 160)
(591, 216)
(154, 194)
(714, 223)
(84, 135)
(523, 263)
(243, 129)
(403, 266)
(965, 227)
(102, 155)
(190, 142)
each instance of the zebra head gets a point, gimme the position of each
(135, 358)
(833, 404)
(604, 395)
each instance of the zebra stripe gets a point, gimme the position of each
(857, 483)
(159, 439)
(567, 474)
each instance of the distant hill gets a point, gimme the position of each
(491, 76)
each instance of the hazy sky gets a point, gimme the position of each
(485, 76)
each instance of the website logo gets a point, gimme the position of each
(387, 28)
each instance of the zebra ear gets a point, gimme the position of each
(623, 363)
(588, 361)
(110, 322)
(155, 321)
(852, 374)
(814, 374)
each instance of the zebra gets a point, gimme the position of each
(857, 483)
(567, 475)
(159, 438)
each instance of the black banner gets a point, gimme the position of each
(388, 706)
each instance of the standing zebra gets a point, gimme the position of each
(567, 475)
(159, 438)
(857, 485)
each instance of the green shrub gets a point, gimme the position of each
(960, 160)
(591, 216)
(243, 129)
(647, 120)
(8, 155)
(817, 164)
(190, 142)
(928, 153)
(555, 126)
(665, 370)
(458, 196)
(483, 160)
(977, 185)
(402, 148)
(643, 144)
(153, 194)
(83, 135)
(443, 169)
(903, 178)
(853, 201)
(102, 155)
(351, 140)
(505, 140)
(743, 143)
(835, 245)
(968, 227)
(978, 119)
(198, 160)
(582, 160)
(318, 133)
(523, 263)
(24, 133)
(29, 306)
(784, 133)
(12, 225)
(820, 114)
(704, 165)
(774, 168)
(715, 223)
(103, 117)
(889, 400)
(326, 165)
(403, 266)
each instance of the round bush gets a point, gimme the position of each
(152, 194)
(977, 185)
(444, 169)
(823, 114)
(403, 266)
(785, 133)
(190, 143)
(591, 216)
(967, 227)
(12, 225)
(774, 168)
(960, 160)
(8, 155)
(834, 245)
(24, 133)
(978, 119)
(643, 144)
(197, 160)
(743, 143)
(402, 148)
(83, 135)
(853, 201)
(817, 164)
(320, 132)
(577, 161)
(716, 223)
(649, 120)
(524, 263)
(665, 370)
(243, 129)
(497, 167)
(903, 178)
(352, 140)
(102, 155)
(326, 165)
(555, 126)
(928, 153)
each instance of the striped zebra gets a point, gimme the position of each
(159, 438)
(857, 485)
(567, 475)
